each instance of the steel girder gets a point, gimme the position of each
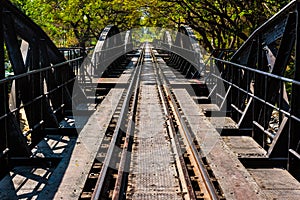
(259, 91)
(257, 82)
(185, 52)
(110, 50)
(44, 94)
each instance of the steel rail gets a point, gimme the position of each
(188, 136)
(103, 172)
(172, 131)
(124, 164)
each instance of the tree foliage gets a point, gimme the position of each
(79, 22)
(218, 24)
(221, 23)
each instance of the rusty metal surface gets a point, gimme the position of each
(256, 95)
(244, 146)
(153, 173)
(225, 165)
(41, 87)
(276, 183)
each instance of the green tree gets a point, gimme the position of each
(218, 24)
(79, 22)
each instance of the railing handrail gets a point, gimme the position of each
(259, 71)
(31, 72)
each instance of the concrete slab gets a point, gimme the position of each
(222, 122)
(209, 107)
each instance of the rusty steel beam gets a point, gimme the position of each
(24, 85)
(44, 109)
(282, 58)
(264, 36)
(268, 49)
(267, 35)
(4, 105)
(14, 140)
(294, 136)
(30, 32)
(257, 71)
(270, 31)
(110, 47)
(185, 53)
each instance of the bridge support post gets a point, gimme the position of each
(257, 107)
(16, 141)
(37, 87)
(294, 135)
(3, 104)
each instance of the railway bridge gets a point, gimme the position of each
(155, 120)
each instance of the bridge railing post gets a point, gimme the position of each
(3, 105)
(294, 135)
(258, 137)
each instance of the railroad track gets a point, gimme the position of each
(101, 176)
(199, 180)
(112, 174)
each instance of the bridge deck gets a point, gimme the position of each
(219, 126)
(226, 167)
(154, 172)
(89, 140)
(222, 152)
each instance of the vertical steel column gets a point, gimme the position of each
(36, 90)
(247, 118)
(294, 135)
(258, 89)
(3, 104)
(2, 74)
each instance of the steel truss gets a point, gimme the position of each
(40, 88)
(262, 85)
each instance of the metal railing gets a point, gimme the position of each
(50, 101)
(269, 117)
